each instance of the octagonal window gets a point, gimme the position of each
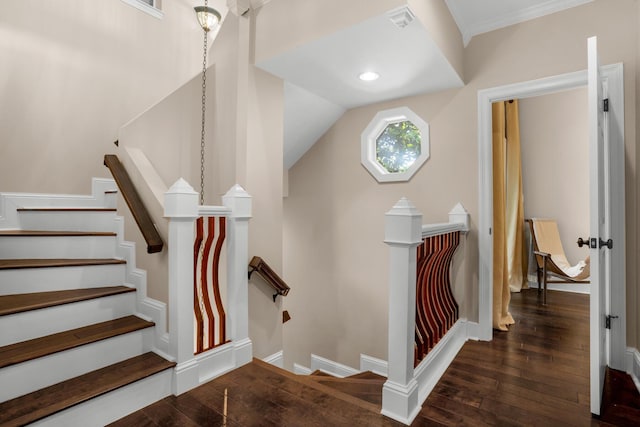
(395, 145)
(398, 146)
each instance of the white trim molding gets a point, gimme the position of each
(144, 7)
(470, 29)
(301, 370)
(613, 74)
(633, 365)
(276, 359)
(369, 137)
(330, 367)
(377, 366)
(431, 369)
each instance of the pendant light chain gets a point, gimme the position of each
(204, 99)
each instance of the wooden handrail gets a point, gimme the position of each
(137, 208)
(270, 276)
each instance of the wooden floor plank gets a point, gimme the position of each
(39, 347)
(18, 303)
(537, 374)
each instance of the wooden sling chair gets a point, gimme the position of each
(551, 263)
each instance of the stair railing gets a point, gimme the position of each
(424, 332)
(137, 208)
(205, 338)
(258, 265)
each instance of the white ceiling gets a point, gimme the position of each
(321, 77)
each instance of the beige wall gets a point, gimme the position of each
(437, 19)
(333, 227)
(555, 158)
(69, 81)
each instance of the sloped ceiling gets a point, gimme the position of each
(321, 76)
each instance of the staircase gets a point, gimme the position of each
(74, 349)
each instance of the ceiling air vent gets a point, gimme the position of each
(401, 17)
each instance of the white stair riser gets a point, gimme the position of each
(67, 220)
(112, 406)
(24, 247)
(46, 321)
(26, 377)
(26, 280)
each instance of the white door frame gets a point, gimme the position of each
(613, 75)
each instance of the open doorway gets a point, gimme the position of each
(614, 83)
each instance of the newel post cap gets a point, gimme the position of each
(239, 201)
(459, 215)
(181, 201)
(403, 224)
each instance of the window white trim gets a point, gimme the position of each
(151, 10)
(373, 131)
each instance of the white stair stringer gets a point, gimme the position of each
(35, 374)
(114, 405)
(102, 196)
(21, 247)
(147, 308)
(47, 321)
(28, 280)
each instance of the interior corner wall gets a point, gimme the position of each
(264, 182)
(69, 81)
(334, 214)
(555, 157)
(439, 22)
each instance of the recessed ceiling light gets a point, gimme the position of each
(369, 76)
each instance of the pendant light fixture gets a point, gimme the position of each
(208, 18)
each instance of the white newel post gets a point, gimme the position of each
(181, 207)
(403, 233)
(239, 202)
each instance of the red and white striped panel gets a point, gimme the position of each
(436, 307)
(209, 314)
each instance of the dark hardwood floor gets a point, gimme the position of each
(537, 374)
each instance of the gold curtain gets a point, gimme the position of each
(509, 258)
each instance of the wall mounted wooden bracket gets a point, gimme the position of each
(271, 277)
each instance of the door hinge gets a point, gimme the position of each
(607, 321)
(605, 105)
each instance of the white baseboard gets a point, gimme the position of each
(576, 288)
(633, 365)
(276, 359)
(301, 370)
(329, 366)
(473, 330)
(375, 365)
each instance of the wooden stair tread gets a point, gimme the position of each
(39, 233)
(18, 303)
(319, 373)
(59, 209)
(6, 264)
(304, 379)
(38, 347)
(47, 401)
(368, 375)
